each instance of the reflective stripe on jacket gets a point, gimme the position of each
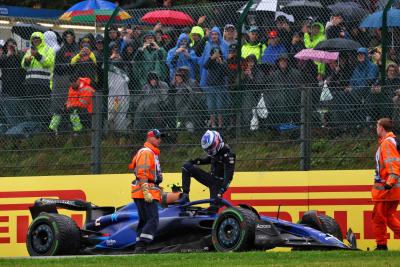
(40, 69)
(387, 170)
(146, 166)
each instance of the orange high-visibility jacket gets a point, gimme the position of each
(82, 96)
(387, 170)
(146, 166)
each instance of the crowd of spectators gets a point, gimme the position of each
(187, 78)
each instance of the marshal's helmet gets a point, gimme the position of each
(211, 142)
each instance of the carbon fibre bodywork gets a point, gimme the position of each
(185, 227)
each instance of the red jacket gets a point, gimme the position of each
(82, 96)
(387, 170)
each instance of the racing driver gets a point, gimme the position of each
(145, 191)
(222, 161)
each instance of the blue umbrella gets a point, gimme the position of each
(375, 20)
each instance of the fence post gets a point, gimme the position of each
(238, 96)
(100, 97)
(96, 133)
(305, 130)
(384, 41)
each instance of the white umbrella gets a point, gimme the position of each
(262, 5)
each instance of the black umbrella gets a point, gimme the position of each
(25, 30)
(351, 11)
(301, 9)
(338, 44)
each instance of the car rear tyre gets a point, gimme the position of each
(53, 234)
(330, 226)
(234, 230)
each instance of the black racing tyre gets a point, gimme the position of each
(234, 230)
(53, 234)
(330, 226)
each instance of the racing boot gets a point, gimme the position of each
(140, 247)
(183, 199)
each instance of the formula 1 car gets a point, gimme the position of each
(182, 228)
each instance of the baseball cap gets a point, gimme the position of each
(273, 34)
(155, 133)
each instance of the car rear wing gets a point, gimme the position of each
(50, 205)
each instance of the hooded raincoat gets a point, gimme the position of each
(311, 41)
(40, 69)
(175, 60)
(207, 53)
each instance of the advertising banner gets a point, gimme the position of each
(344, 195)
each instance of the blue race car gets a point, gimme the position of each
(182, 228)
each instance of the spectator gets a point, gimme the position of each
(253, 83)
(152, 103)
(296, 46)
(216, 89)
(362, 78)
(283, 97)
(115, 57)
(377, 57)
(115, 36)
(230, 34)
(127, 57)
(284, 31)
(313, 38)
(50, 38)
(379, 99)
(38, 62)
(198, 42)
(186, 100)
(341, 106)
(252, 44)
(336, 29)
(274, 49)
(99, 55)
(215, 40)
(12, 77)
(180, 56)
(79, 104)
(150, 58)
(84, 63)
(62, 77)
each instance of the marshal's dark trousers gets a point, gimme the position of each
(148, 220)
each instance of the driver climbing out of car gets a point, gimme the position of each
(222, 161)
(145, 189)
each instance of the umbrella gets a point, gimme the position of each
(375, 20)
(93, 11)
(350, 10)
(290, 18)
(262, 5)
(168, 17)
(302, 9)
(316, 55)
(25, 30)
(337, 44)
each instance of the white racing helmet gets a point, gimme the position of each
(212, 142)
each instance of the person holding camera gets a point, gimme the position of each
(38, 62)
(84, 63)
(149, 58)
(12, 76)
(180, 56)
